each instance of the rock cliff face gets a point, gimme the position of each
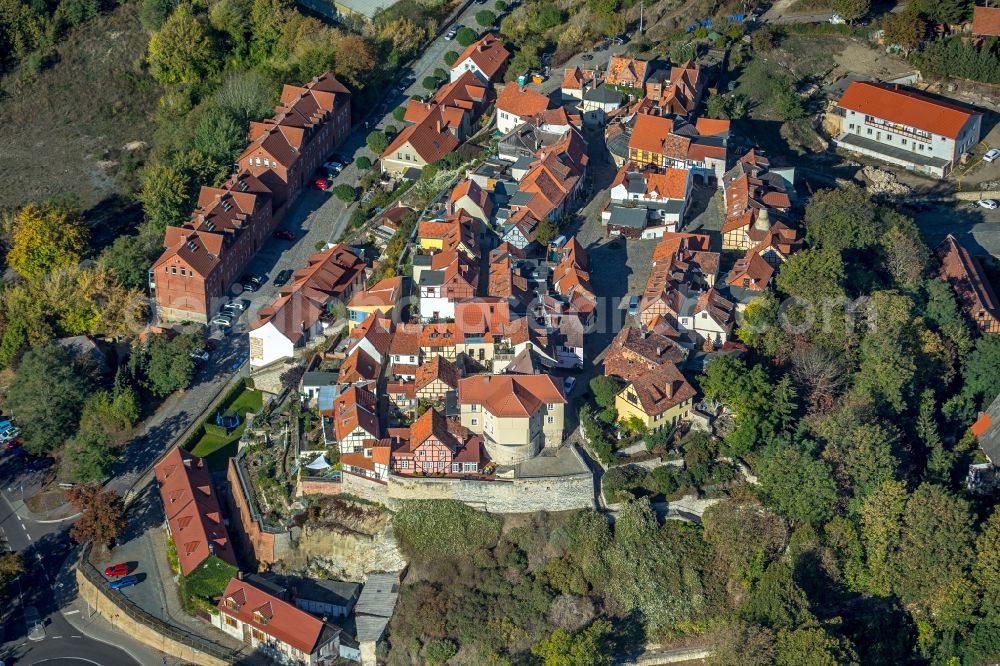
(344, 540)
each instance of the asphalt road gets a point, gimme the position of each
(977, 228)
(47, 585)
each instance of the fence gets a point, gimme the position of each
(170, 631)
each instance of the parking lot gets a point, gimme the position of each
(977, 228)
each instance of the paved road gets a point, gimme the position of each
(977, 228)
(47, 585)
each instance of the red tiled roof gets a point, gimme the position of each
(385, 293)
(353, 408)
(192, 510)
(654, 134)
(516, 396)
(906, 107)
(986, 21)
(711, 126)
(488, 53)
(635, 352)
(431, 138)
(661, 389)
(625, 71)
(438, 368)
(359, 366)
(277, 618)
(972, 288)
(522, 101)
(982, 424)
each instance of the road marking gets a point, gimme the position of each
(75, 636)
(23, 527)
(72, 612)
(57, 637)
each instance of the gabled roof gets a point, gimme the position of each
(299, 305)
(522, 101)
(636, 351)
(352, 409)
(438, 368)
(385, 293)
(660, 389)
(488, 53)
(625, 71)
(516, 396)
(752, 267)
(966, 276)
(192, 510)
(359, 367)
(376, 329)
(431, 138)
(654, 134)
(276, 617)
(906, 107)
(406, 340)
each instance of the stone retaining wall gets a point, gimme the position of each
(138, 630)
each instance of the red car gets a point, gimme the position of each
(284, 234)
(321, 183)
(116, 570)
(13, 444)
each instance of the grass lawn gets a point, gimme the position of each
(218, 450)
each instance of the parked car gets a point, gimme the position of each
(284, 234)
(321, 182)
(10, 435)
(991, 154)
(116, 570)
(33, 623)
(333, 167)
(633, 306)
(222, 320)
(281, 278)
(239, 305)
(989, 204)
(568, 384)
(836, 19)
(12, 444)
(199, 355)
(256, 280)
(450, 35)
(122, 583)
(587, 57)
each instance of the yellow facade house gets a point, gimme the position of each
(659, 399)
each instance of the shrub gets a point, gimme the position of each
(466, 36)
(216, 430)
(486, 18)
(377, 142)
(439, 651)
(399, 113)
(430, 83)
(363, 163)
(444, 528)
(440, 74)
(345, 192)
(390, 130)
(500, 6)
(450, 57)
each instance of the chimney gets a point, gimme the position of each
(239, 575)
(659, 350)
(439, 126)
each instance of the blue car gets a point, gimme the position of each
(123, 582)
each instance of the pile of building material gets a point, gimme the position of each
(880, 181)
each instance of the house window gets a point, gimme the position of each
(550, 406)
(473, 407)
(404, 464)
(456, 467)
(173, 269)
(469, 467)
(475, 421)
(230, 622)
(551, 420)
(258, 635)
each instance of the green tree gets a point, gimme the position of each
(586, 647)
(981, 371)
(939, 461)
(852, 10)
(881, 516)
(777, 602)
(466, 36)
(89, 456)
(986, 569)
(377, 142)
(945, 11)
(450, 57)
(741, 643)
(605, 389)
(399, 113)
(246, 96)
(345, 193)
(485, 18)
(46, 396)
(129, 258)
(182, 50)
(904, 28)
(220, 137)
(942, 312)
(153, 13)
(800, 487)
(46, 237)
(842, 218)
(164, 196)
(439, 651)
(430, 83)
(813, 647)
(362, 163)
(546, 231)
(762, 40)
(935, 548)
(500, 6)
(166, 363)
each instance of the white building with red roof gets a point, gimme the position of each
(275, 628)
(486, 58)
(904, 127)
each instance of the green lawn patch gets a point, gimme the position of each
(218, 448)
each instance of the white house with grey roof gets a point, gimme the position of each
(598, 102)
